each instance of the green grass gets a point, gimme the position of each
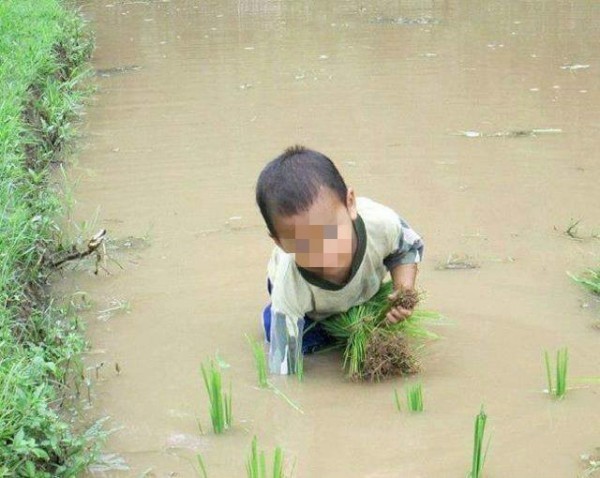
(558, 388)
(414, 398)
(260, 361)
(43, 50)
(353, 328)
(256, 465)
(479, 454)
(219, 402)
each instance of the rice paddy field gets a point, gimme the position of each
(478, 122)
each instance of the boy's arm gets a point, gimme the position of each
(285, 351)
(404, 276)
(403, 266)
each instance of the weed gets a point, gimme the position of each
(40, 342)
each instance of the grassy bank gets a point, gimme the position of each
(43, 49)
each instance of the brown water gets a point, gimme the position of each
(172, 151)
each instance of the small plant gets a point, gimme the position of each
(256, 466)
(397, 400)
(201, 467)
(260, 360)
(590, 280)
(220, 402)
(559, 389)
(478, 453)
(414, 398)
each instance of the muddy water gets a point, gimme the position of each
(403, 95)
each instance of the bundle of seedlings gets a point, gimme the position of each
(375, 349)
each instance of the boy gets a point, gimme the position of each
(332, 251)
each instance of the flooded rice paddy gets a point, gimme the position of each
(477, 121)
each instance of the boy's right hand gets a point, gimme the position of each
(397, 313)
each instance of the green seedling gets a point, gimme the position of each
(590, 280)
(559, 388)
(220, 402)
(366, 336)
(201, 467)
(478, 453)
(260, 360)
(414, 398)
(300, 367)
(397, 400)
(256, 466)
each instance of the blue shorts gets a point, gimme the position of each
(314, 337)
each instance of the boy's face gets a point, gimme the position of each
(322, 237)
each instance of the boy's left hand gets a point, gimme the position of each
(397, 314)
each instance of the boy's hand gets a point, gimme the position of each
(397, 313)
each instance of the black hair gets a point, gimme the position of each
(290, 183)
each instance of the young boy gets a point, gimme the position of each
(332, 251)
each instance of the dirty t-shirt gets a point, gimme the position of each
(384, 241)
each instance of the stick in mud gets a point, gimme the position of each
(94, 246)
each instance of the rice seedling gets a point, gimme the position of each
(479, 454)
(260, 360)
(373, 348)
(256, 465)
(201, 466)
(220, 402)
(590, 280)
(414, 398)
(397, 400)
(559, 388)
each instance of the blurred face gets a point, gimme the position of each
(320, 239)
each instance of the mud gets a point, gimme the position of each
(171, 153)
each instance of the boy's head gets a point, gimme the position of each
(308, 208)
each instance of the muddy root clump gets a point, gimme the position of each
(388, 355)
(407, 299)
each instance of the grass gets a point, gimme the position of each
(559, 387)
(354, 328)
(219, 402)
(479, 454)
(260, 361)
(256, 465)
(44, 49)
(414, 398)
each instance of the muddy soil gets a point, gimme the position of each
(418, 102)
